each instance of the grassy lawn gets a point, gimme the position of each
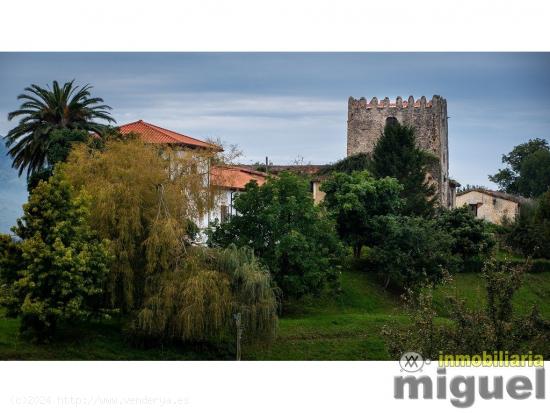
(346, 328)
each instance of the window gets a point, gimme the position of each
(391, 120)
(473, 209)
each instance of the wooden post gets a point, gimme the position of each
(239, 334)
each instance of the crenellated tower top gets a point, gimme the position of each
(366, 121)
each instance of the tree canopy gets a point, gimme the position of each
(528, 170)
(356, 201)
(143, 199)
(291, 235)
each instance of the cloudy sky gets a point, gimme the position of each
(293, 105)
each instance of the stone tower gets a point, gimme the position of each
(366, 121)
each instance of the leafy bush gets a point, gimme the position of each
(63, 264)
(411, 251)
(472, 240)
(198, 301)
(356, 201)
(291, 235)
(472, 331)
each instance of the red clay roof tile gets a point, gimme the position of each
(155, 134)
(235, 177)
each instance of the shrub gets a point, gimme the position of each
(291, 235)
(63, 264)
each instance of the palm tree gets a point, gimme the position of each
(45, 110)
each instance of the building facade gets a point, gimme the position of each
(492, 206)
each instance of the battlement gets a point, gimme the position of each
(399, 103)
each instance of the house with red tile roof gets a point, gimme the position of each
(230, 180)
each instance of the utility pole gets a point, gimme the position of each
(237, 317)
(266, 165)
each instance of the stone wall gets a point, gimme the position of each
(366, 121)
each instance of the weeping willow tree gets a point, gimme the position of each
(198, 301)
(144, 198)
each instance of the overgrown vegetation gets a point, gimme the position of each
(529, 235)
(497, 326)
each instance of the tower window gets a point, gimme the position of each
(391, 121)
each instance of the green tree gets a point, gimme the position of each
(45, 110)
(411, 251)
(142, 199)
(397, 155)
(472, 240)
(197, 302)
(356, 202)
(528, 170)
(291, 235)
(63, 262)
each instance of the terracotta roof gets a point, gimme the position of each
(235, 177)
(497, 194)
(155, 134)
